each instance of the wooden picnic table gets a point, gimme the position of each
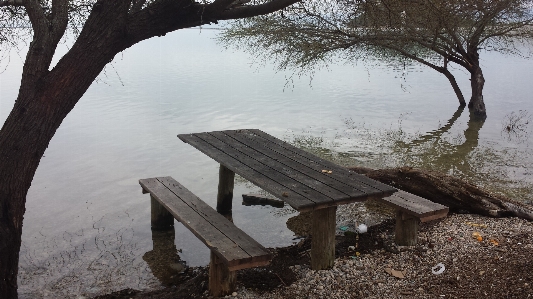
(301, 179)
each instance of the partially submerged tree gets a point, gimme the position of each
(47, 94)
(434, 33)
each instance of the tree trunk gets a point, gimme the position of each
(452, 192)
(46, 96)
(476, 104)
(455, 86)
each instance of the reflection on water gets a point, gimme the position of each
(451, 148)
(163, 259)
(440, 154)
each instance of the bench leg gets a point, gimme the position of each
(406, 229)
(161, 218)
(226, 181)
(222, 282)
(323, 238)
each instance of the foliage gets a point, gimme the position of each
(431, 32)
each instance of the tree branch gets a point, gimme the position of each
(11, 3)
(252, 10)
(218, 5)
(59, 17)
(35, 13)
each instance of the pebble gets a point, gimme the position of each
(347, 276)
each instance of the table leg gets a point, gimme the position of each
(323, 238)
(226, 181)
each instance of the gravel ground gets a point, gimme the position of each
(482, 258)
(499, 264)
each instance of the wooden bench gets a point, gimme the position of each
(410, 210)
(231, 248)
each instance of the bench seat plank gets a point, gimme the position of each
(234, 247)
(420, 207)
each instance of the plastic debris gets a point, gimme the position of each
(357, 253)
(438, 269)
(326, 171)
(343, 228)
(362, 228)
(494, 242)
(351, 248)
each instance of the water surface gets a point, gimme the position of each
(86, 227)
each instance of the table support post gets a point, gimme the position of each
(406, 229)
(323, 238)
(226, 181)
(161, 219)
(222, 281)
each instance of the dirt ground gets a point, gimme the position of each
(507, 282)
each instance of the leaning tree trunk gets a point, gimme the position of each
(452, 192)
(476, 104)
(45, 98)
(47, 95)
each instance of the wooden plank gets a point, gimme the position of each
(295, 200)
(340, 173)
(420, 207)
(247, 243)
(292, 161)
(209, 234)
(297, 175)
(292, 186)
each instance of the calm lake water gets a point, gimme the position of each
(87, 224)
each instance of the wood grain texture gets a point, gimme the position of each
(340, 173)
(222, 281)
(295, 200)
(414, 205)
(234, 247)
(406, 230)
(161, 219)
(301, 179)
(323, 238)
(292, 161)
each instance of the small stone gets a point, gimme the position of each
(320, 287)
(234, 294)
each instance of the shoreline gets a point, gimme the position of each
(498, 266)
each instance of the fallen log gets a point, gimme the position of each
(458, 195)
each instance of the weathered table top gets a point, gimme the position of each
(303, 180)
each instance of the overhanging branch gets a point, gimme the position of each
(247, 11)
(11, 3)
